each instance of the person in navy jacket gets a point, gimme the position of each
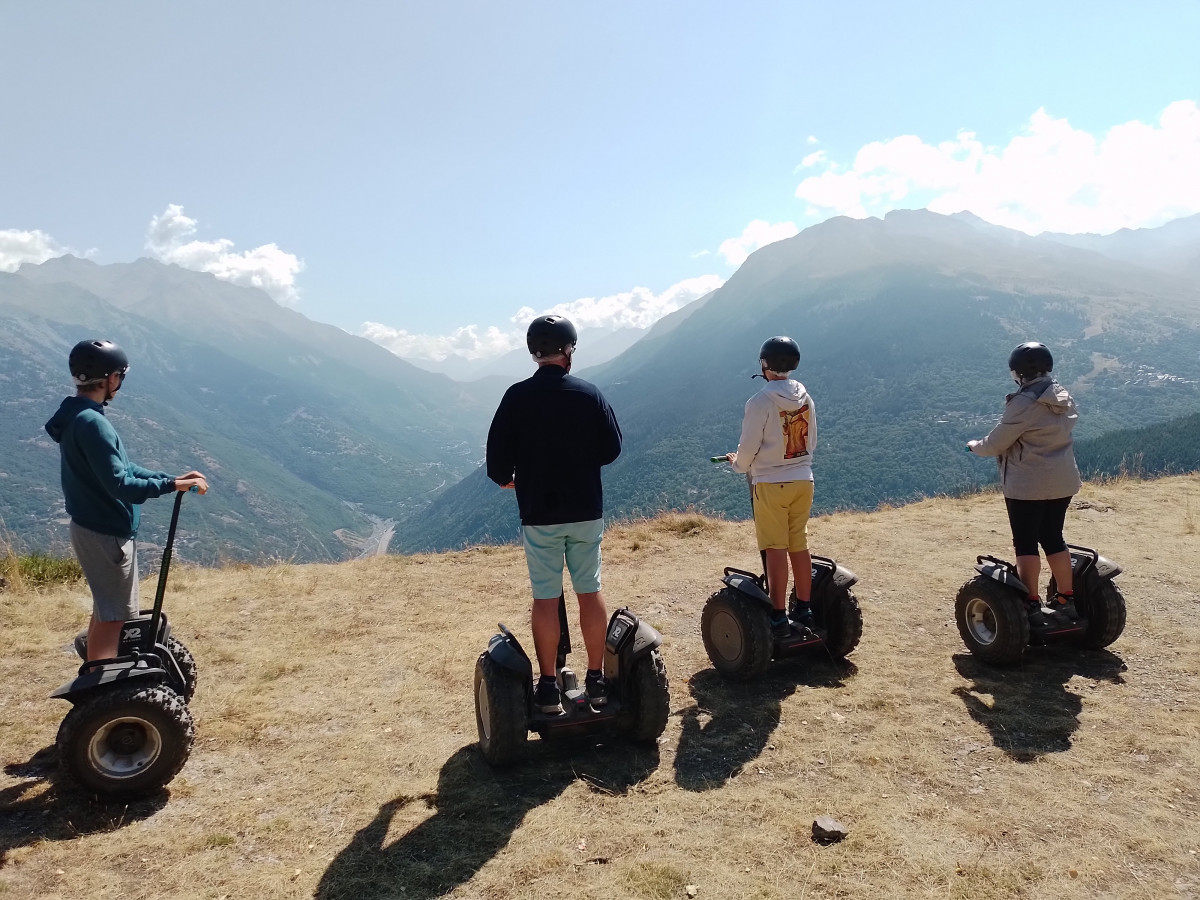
(550, 437)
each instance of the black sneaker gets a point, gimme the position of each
(781, 628)
(597, 688)
(1065, 609)
(546, 699)
(804, 616)
(1037, 613)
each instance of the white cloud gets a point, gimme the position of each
(17, 247)
(757, 234)
(470, 342)
(812, 159)
(638, 308)
(1051, 177)
(266, 267)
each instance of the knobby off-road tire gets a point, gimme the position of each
(837, 611)
(181, 654)
(992, 621)
(737, 634)
(1102, 604)
(187, 666)
(650, 694)
(126, 741)
(501, 712)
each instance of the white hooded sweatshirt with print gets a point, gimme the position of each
(779, 433)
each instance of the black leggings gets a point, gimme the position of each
(1036, 522)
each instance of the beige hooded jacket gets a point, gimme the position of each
(1033, 443)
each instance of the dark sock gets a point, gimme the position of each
(547, 679)
(594, 673)
(778, 617)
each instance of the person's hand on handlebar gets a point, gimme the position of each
(190, 480)
(732, 457)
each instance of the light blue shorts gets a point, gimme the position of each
(546, 548)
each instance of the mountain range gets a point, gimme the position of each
(320, 443)
(905, 324)
(313, 439)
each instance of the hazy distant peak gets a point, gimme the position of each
(58, 268)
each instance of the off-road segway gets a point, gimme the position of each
(639, 698)
(997, 621)
(736, 622)
(130, 731)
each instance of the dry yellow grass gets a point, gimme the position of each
(335, 727)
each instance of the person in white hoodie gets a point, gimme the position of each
(1036, 454)
(779, 433)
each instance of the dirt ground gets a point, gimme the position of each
(335, 755)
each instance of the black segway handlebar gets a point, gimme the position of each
(165, 566)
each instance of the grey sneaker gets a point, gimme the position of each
(1064, 608)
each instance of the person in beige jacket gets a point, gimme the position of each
(779, 434)
(1038, 474)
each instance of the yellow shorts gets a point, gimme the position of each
(781, 514)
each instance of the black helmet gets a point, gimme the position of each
(93, 361)
(550, 335)
(780, 354)
(1030, 360)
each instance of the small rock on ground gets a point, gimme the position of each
(828, 830)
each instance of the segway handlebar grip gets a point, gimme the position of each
(718, 459)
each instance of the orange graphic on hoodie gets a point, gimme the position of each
(795, 431)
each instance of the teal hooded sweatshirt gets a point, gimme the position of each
(102, 488)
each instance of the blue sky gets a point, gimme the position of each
(437, 169)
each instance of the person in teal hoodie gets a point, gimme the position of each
(103, 491)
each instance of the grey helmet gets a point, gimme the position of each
(93, 361)
(780, 354)
(551, 335)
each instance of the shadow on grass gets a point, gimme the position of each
(742, 717)
(478, 809)
(1032, 711)
(57, 811)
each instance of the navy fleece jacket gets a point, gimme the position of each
(551, 434)
(101, 486)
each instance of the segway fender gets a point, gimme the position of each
(746, 585)
(1107, 569)
(502, 651)
(823, 567)
(91, 677)
(628, 639)
(843, 577)
(1000, 571)
(645, 639)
